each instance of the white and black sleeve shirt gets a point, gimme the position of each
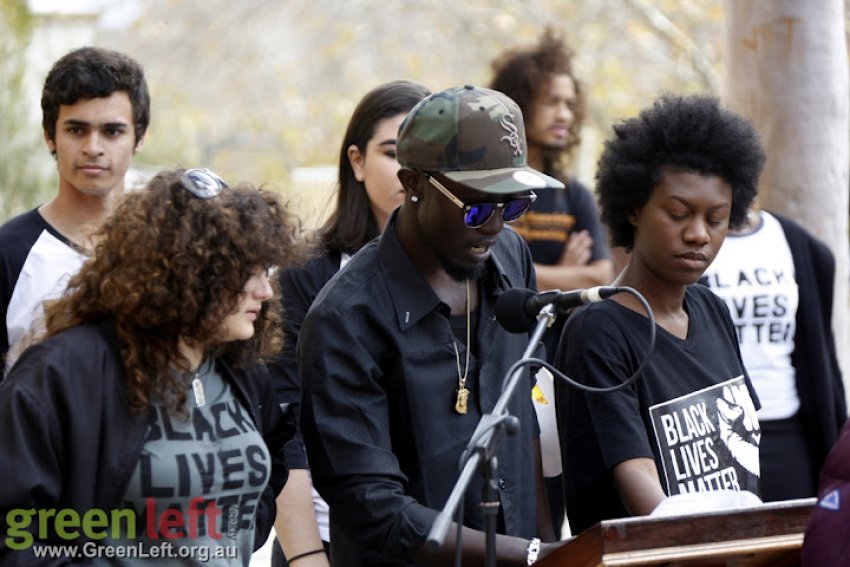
(36, 262)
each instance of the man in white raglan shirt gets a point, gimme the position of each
(95, 112)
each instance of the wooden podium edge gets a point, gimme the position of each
(771, 528)
(704, 551)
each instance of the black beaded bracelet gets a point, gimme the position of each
(306, 553)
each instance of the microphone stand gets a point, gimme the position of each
(480, 452)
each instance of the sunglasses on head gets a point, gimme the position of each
(202, 183)
(476, 215)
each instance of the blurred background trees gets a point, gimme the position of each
(22, 182)
(261, 90)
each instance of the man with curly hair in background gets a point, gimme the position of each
(95, 112)
(562, 229)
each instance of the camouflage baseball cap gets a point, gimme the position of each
(473, 136)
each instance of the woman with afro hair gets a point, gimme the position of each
(145, 401)
(670, 182)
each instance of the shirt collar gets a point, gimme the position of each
(412, 297)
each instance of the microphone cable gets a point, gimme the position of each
(592, 389)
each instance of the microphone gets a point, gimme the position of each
(517, 308)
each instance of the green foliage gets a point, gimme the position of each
(20, 188)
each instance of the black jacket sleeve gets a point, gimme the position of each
(820, 385)
(277, 430)
(299, 286)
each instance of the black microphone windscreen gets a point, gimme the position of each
(510, 310)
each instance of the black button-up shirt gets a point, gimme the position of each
(379, 378)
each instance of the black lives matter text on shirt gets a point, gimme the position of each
(761, 314)
(230, 477)
(708, 440)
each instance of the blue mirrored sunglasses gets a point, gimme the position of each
(476, 215)
(202, 183)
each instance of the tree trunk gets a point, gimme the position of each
(786, 63)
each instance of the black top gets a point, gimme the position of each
(671, 414)
(823, 408)
(379, 378)
(299, 286)
(554, 216)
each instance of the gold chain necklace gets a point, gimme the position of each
(462, 391)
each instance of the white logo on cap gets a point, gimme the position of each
(512, 138)
(529, 179)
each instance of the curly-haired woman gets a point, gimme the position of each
(671, 182)
(145, 396)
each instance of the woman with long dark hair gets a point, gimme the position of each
(368, 191)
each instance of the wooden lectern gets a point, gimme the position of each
(770, 534)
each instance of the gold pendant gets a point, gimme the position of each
(462, 397)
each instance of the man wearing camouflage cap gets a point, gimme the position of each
(400, 354)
